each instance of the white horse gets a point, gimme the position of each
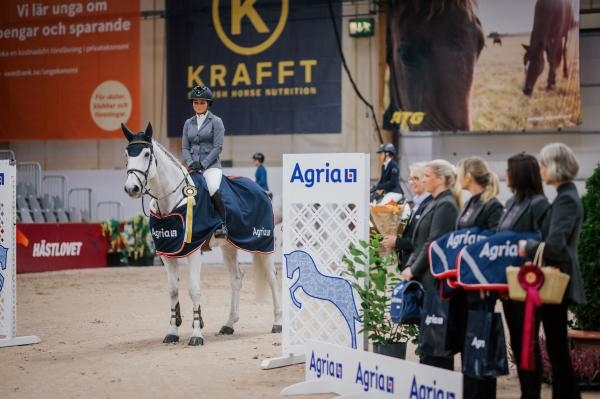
(153, 171)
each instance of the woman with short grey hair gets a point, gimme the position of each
(560, 232)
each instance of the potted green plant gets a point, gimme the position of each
(139, 243)
(112, 232)
(585, 334)
(373, 277)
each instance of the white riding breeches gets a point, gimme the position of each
(213, 179)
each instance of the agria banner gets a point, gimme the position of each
(68, 69)
(487, 65)
(272, 64)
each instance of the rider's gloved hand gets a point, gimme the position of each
(196, 166)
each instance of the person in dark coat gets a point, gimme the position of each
(523, 212)
(388, 187)
(560, 232)
(201, 145)
(260, 174)
(437, 219)
(482, 210)
(420, 200)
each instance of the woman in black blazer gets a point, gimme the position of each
(438, 218)
(482, 210)
(523, 212)
(421, 198)
(560, 231)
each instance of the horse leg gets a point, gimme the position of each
(195, 263)
(551, 54)
(269, 271)
(235, 281)
(564, 57)
(172, 269)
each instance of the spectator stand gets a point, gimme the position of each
(106, 210)
(79, 204)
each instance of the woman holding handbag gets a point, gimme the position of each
(482, 210)
(523, 212)
(560, 232)
(437, 219)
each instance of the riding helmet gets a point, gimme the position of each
(387, 147)
(201, 93)
(259, 157)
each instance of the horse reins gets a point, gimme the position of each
(146, 191)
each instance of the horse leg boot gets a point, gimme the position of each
(194, 286)
(175, 320)
(220, 208)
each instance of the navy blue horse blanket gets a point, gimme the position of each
(249, 219)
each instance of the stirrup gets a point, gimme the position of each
(221, 232)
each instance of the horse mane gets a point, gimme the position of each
(167, 152)
(433, 8)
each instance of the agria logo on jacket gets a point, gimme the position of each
(244, 14)
(311, 176)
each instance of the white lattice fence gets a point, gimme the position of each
(325, 212)
(8, 254)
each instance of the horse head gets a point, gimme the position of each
(432, 52)
(291, 264)
(533, 61)
(139, 155)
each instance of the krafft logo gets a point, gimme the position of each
(242, 11)
(311, 176)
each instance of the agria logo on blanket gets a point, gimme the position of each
(311, 176)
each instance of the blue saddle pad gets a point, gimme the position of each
(444, 251)
(249, 219)
(482, 265)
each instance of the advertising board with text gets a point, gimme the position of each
(68, 69)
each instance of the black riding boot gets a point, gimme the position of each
(220, 208)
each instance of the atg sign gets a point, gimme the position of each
(346, 371)
(272, 65)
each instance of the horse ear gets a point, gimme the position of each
(148, 132)
(526, 47)
(128, 133)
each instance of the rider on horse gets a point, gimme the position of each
(201, 144)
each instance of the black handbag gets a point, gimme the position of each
(407, 300)
(484, 352)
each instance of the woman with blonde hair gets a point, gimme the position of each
(420, 199)
(438, 218)
(482, 210)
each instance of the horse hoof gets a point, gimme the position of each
(276, 328)
(196, 341)
(225, 330)
(170, 339)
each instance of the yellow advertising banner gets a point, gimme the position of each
(68, 69)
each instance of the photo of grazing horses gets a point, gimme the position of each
(553, 19)
(432, 50)
(444, 76)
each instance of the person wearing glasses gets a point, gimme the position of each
(403, 243)
(201, 144)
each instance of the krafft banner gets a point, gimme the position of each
(56, 246)
(68, 69)
(495, 66)
(272, 65)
